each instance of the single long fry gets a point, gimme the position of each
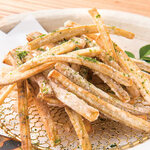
(80, 81)
(67, 46)
(115, 87)
(110, 56)
(104, 107)
(14, 76)
(74, 102)
(121, 32)
(81, 60)
(6, 93)
(48, 122)
(111, 29)
(80, 128)
(141, 81)
(45, 115)
(60, 35)
(23, 116)
(142, 64)
(108, 45)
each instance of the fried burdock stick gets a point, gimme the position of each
(80, 128)
(23, 115)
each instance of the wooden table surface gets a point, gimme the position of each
(9, 7)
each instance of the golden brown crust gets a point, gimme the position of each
(23, 116)
(48, 122)
(80, 128)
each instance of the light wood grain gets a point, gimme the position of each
(9, 7)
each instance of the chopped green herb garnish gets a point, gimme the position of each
(44, 82)
(61, 42)
(76, 73)
(41, 49)
(86, 39)
(76, 48)
(131, 69)
(22, 54)
(107, 53)
(98, 16)
(76, 42)
(110, 58)
(45, 90)
(113, 145)
(114, 44)
(19, 62)
(90, 50)
(83, 71)
(124, 74)
(27, 117)
(113, 27)
(88, 58)
(72, 40)
(57, 141)
(42, 35)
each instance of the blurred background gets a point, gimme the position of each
(9, 7)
